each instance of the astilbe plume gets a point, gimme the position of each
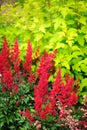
(5, 49)
(5, 72)
(7, 80)
(9, 66)
(4, 57)
(45, 63)
(15, 62)
(63, 92)
(41, 93)
(15, 57)
(28, 60)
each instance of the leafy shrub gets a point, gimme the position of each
(32, 94)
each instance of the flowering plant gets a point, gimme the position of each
(28, 93)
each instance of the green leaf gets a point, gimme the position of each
(57, 22)
(77, 53)
(42, 29)
(80, 40)
(2, 124)
(83, 84)
(72, 33)
(60, 45)
(84, 68)
(66, 64)
(83, 20)
(38, 36)
(64, 11)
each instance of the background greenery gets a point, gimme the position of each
(50, 24)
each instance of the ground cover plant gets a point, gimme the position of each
(30, 100)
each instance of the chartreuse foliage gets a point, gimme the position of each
(53, 24)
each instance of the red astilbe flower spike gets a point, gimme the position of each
(71, 96)
(42, 88)
(28, 115)
(5, 49)
(28, 60)
(15, 57)
(41, 93)
(4, 57)
(45, 64)
(54, 91)
(46, 110)
(16, 52)
(63, 92)
(7, 79)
